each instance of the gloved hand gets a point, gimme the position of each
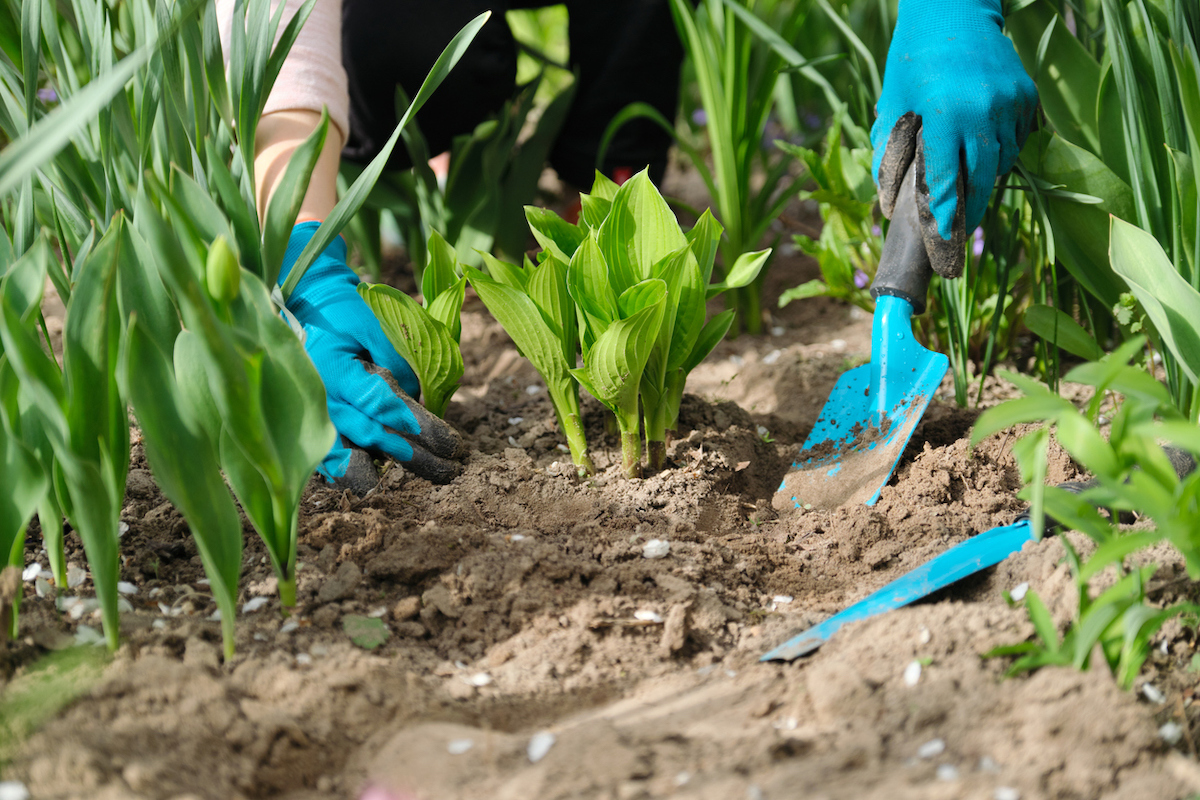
(369, 388)
(955, 97)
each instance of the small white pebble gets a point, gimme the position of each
(125, 587)
(1103, 420)
(481, 679)
(1164, 647)
(215, 616)
(158, 624)
(206, 581)
(75, 577)
(1171, 732)
(648, 616)
(782, 599)
(513, 441)
(532, 390)
(539, 745)
(86, 634)
(518, 537)
(47, 574)
(31, 572)
(730, 673)
(459, 746)
(931, 749)
(1006, 793)
(753, 792)
(925, 636)
(778, 330)
(737, 361)
(1151, 693)
(1018, 592)
(13, 790)
(681, 778)
(656, 548)
(564, 448)
(376, 613)
(838, 344)
(254, 604)
(303, 658)
(155, 592)
(947, 772)
(124, 606)
(460, 665)
(515, 420)
(786, 724)
(772, 357)
(164, 608)
(912, 673)
(122, 529)
(41, 586)
(289, 626)
(988, 764)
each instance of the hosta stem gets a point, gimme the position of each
(631, 454)
(287, 592)
(656, 436)
(570, 421)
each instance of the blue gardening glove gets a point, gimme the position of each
(955, 97)
(369, 388)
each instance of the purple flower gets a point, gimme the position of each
(876, 230)
(861, 279)
(47, 95)
(700, 117)
(813, 121)
(977, 243)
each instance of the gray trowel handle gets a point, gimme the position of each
(904, 269)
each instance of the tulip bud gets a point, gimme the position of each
(222, 275)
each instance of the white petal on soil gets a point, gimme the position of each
(41, 586)
(515, 420)
(1006, 793)
(289, 626)
(1153, 694)
(254, 604)
(75, 577)
(86, 634)
(772, 357)
(481, 679)
(782, 599)
(539, 745)
(648, 616)
(31, 572)
(931, 749)
(459, 746)
(124, 606)
(656, 548)
(125, 587)
(947, 772)
(912, 673)
(1018, 592)
(47, 574)
(164, 608)
(13, 790)
(1171, 733)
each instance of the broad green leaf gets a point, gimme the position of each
(1172, 304)
(639, 232)
(554, 233)
(184, 462)
(441, 271)
(705, 236)
(502, 272)
(641, 296)
(140, 290)
(288, 197)
(25, 280)
(614, 365)
(424, 343)
(447, 308)
(548, 290)
(710, 336)
(1059, 328)
(689, 312)
(1085, 444)
(743, 272)
(590, 286)
(202, 210)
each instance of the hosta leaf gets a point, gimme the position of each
(548, 290)
(705, 236)
(640, 230)
(422, 341)
(523, 321)
(643, 295)
(590, 287)
(745, 269)
(441, 271)
(447, 307)
(615, 363)
(505, 273)
(557, 236)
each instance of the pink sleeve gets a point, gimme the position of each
(312, 76)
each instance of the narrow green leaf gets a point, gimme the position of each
(554, 233)
(1058, 328)
(502, 272)
(288, 197)
(743, 272)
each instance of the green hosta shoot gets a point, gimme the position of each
(427, 336)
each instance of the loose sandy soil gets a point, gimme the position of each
(512, 598)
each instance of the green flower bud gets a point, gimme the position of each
(222, 275)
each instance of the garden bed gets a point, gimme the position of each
(519, 600)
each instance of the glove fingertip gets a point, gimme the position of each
(349, 467)
(897, 155)
(947, 256)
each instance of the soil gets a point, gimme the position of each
(522, 613)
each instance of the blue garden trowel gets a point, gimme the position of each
(871, 414)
